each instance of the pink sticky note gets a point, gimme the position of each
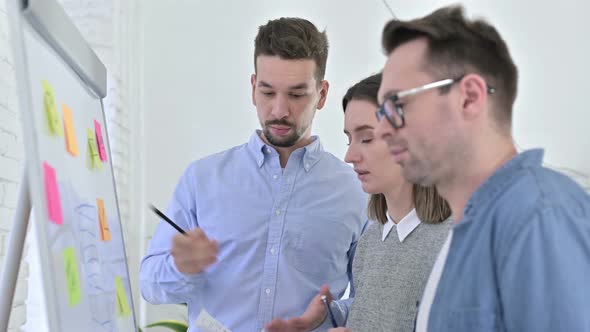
(101, 150)
(52, 195)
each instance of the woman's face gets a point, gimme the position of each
(369, 155)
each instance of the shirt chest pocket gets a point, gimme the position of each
(317, 246)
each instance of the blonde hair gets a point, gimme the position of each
(430, 207)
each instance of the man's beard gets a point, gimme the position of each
(285, 141)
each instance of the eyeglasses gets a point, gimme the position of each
(393, 111)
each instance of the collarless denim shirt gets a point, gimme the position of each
(520, 258)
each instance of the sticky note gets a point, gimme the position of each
(93, 158)
(51, 109)
(91, 149)
(123, 309)
(52, 195)
(71, 142)
(99, 141)
(72, 279)
(105, 232)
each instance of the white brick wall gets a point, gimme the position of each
(11, 155)
(101, 22)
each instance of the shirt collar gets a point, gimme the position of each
(260, 150)
(501, 177)
(404, 227)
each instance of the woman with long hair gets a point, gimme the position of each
(407, 228)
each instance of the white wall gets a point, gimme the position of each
(198, 57)
(179, 88)
(11, 157)
(197, 61)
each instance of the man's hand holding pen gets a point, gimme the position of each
(193, 251)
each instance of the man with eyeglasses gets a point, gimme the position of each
(518, 256)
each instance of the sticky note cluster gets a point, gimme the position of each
(97, 153)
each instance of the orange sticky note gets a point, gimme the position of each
(51, 109)
(123, 309)
(99, 141)
(105, 232)
(52, 195)
(72, 278)
(71, 142)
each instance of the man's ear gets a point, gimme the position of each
(324, 87)
(253, 82)
(474, 95)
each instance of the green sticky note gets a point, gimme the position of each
(93, 160)
(51, 114)
(72, 278)
(123, 309)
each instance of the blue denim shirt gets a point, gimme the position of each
(282, 234)
(520, 258)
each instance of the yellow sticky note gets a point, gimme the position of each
(93, 158)
(72, 279)
(123, 309)
(91, 149)
(71, 142)
(105, 232)
(51, 109)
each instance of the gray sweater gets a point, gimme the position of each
(390, 276)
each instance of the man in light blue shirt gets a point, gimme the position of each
(269, 222)
(518, 256)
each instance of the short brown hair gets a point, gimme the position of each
(430, 206)
(458, 46)
(293, 38)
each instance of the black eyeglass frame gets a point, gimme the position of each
(394, 100)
